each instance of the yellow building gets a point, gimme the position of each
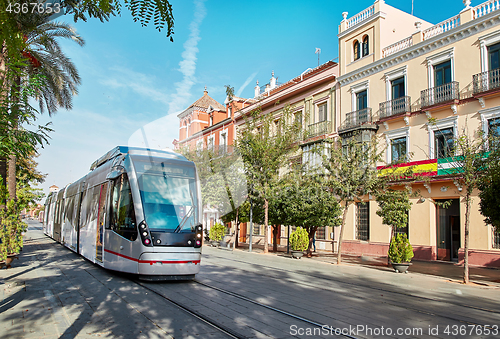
(396, 72)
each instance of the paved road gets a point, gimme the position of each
(53, 293)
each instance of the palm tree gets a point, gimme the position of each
(44, 60)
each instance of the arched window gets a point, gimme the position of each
(366, 50)
(357, 52)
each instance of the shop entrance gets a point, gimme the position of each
(448, 230)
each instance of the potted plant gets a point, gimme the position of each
(216, 234)
(299, 241)
(400, 253)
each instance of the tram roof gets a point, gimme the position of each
(118, 150)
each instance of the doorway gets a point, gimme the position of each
(448, 230)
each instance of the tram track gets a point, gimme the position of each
(230, 332)
(366, 286)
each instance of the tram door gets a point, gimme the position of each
(448, 231)
(101, 217)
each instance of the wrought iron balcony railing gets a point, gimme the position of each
(357, 118)
(440, 94)
(319, 128)
(395, 106)
(486, 81)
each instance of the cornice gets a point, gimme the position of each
(450, 37)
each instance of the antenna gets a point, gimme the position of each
(318, 52)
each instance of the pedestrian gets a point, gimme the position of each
(314, 243)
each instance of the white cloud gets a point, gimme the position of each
(245, 84)
(188, 64)
(140, 83)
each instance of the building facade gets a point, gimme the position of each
(417, 86)
(312, 98)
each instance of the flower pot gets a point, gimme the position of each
(401, 267)
(297, 254)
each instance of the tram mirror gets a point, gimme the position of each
(114, 174)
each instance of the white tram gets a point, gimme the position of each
(137, 211)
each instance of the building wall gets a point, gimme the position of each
(463, 47)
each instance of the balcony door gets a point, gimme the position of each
(361, 100)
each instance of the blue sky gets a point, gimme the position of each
(135, 81)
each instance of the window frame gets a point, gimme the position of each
(451, 122)
(487, 115)
(365, 50)
(356, 50)
(436, 59)
(485, 42)
(358, 221)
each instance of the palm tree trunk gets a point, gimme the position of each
(341, 236)
(266, 222)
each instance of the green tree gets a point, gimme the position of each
(468, 168)
(265, 145)
(352, 174)
(309, 202)
(489, 187)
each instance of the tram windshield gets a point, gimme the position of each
(169, 196)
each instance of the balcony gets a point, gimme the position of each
(440, 94)
(394, 107)
(319, 128)
(486, 81)
(358, 120)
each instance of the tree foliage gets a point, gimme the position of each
(489, 188)
(394, 206)
(265, 145)
(352, 174)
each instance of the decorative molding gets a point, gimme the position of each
(386, 125)
(482, 102)
(428, 114)
(454, 108)
(459, 187)
(426, 185)
(407, 120)
(439, 41)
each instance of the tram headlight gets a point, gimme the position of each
(146, 240)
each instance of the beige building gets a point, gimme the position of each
(396, 72)
(313, 99)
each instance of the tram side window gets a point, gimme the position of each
(122, 209)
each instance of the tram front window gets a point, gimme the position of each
(122, 209)
(169, 202)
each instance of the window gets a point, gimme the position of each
(256, 229)
(357, 52)
(363, 229)
(494, 56)
(223, 142)
(211, 120)
(322, 112)
(312, 156)
(442, 73)
(297, 119)
(444, 141)
(366, 49)
(495, 239)
(122, 219)
(398, 88)
(361, 100)
(210, 143)
(398, 149)
(320, 233)
(494, 132)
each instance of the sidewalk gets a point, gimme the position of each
(447, 270)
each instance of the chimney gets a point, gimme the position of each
(257, 89)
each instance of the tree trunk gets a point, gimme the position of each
(11, 182)
(3, 174)
(341, 236)
(266, 221)
(466, 243)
